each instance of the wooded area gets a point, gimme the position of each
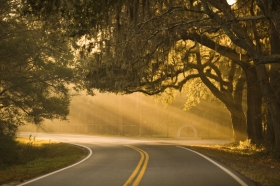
(143, 46)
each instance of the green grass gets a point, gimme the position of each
(37, 157)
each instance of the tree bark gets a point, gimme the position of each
(271, 102)
(254, 110)
(236, 110)
(274, 70)
(238, 122)
(273, 126)
(269, 133)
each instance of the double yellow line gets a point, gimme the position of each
(139, 171)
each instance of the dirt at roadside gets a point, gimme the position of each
(261, 168)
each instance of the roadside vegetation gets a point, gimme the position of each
(31, 157)
(49, 49)
(254, 162)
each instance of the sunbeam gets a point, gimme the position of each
(139, 115)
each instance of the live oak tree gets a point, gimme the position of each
(155, 70)
(126, 46)
(229, 88)
(223, 78)
(35, 70)
(253, 36)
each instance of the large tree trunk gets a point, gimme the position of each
(237, 114)
(273, 128)
(254, 110)
(269, 133)
(233, 103)
(238, 122)
(271, 102)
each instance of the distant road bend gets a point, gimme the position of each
(126, 161)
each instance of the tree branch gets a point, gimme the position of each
(241, 59)
(237, 36)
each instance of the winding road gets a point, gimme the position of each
(126, 161)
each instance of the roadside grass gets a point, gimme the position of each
(255, 163)
(37, 157)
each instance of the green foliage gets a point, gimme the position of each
(28, 158)
(167, 97)
(36, 69)
(144, 46)
(195, 90)
(8, 150)
(135, 46)
(74, 17)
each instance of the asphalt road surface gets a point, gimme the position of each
(127, 161)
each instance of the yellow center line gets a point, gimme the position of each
(144, 158)
(141, 174)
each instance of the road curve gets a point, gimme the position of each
(115, 160)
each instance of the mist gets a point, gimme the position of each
(139, 115)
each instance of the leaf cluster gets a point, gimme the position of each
(35, 72)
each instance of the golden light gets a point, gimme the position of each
(231, 2)
(136, 115)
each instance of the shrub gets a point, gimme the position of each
(8, 150)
